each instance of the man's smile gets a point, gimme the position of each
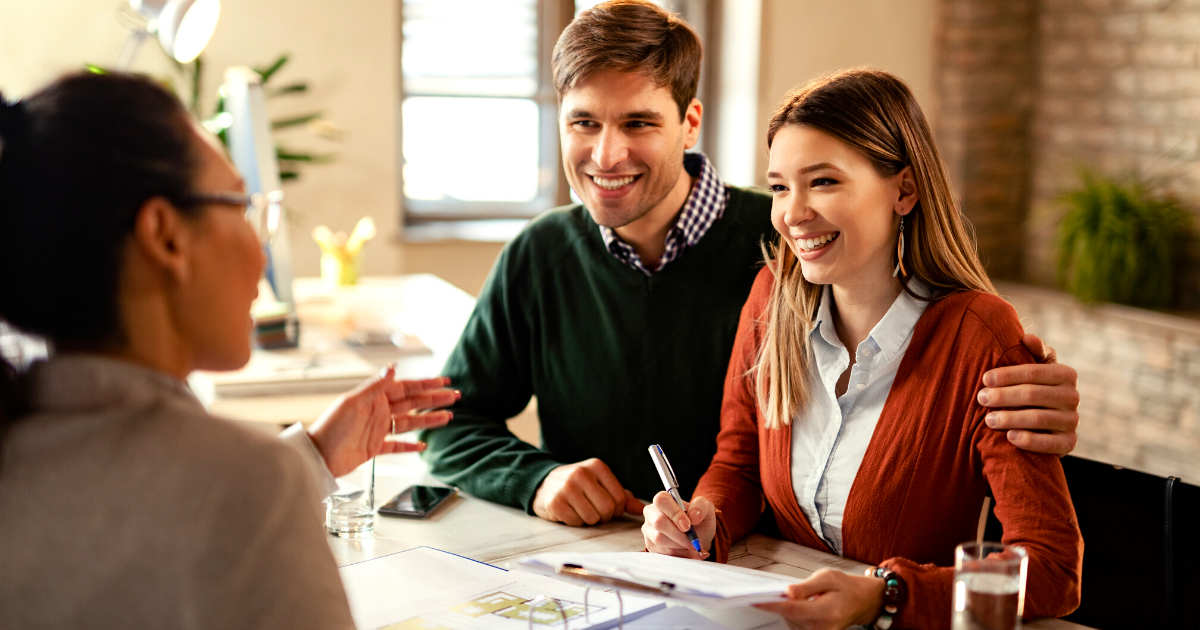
(614, 182)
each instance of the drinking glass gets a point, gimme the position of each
(350, 511)
(989, 586)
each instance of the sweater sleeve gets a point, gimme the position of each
(732, 482)
(491, 367)
(1034, 506)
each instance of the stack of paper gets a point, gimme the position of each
(693, 582)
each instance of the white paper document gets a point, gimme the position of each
(676, 618)
(516, 601)
(694, 582)
(374, 587)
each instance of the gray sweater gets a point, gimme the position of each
(124, 504)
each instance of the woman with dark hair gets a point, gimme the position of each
(123, 242)
(849, 404)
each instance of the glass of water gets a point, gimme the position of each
(350, 511)
(989, 586)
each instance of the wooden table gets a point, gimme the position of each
(498, 535)
(437, 312)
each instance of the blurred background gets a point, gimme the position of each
(1071, 129)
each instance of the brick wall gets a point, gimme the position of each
(1139, 378)
(984, 86)
(1118, 88)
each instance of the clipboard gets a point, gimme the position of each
(641, 574)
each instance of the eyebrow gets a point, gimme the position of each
(806, 169)
(647, 114)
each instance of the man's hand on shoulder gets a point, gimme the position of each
(586, 492)
(1047, 390)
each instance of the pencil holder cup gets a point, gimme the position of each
(339, 269)
(339, 253)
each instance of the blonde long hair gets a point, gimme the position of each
(875, 113)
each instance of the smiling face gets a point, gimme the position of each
(833, 209)
(213, 303)
(623, 144)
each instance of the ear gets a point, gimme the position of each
(906, 187)
(163, 237)
(691, 123)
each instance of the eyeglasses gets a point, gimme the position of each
(263, 210)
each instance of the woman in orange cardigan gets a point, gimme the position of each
(880, 454)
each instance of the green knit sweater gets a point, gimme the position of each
(618, 360)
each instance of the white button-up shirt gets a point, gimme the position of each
(830, 435)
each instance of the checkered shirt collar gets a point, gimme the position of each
(703, 207)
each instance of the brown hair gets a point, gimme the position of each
(877, 115)
(630, 36)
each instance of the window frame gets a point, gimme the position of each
(553, 17)
(553, 190)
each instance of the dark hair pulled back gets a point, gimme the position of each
(78, 159)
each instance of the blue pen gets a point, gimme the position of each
(672, 485)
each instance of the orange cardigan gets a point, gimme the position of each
(925, 473)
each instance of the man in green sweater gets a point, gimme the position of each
(619, 314)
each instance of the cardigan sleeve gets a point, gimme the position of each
(732, 482)
(1034, 506)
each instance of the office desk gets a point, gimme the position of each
(426, 306)
(498, 535)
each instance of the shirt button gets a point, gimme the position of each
(860, 386)
(866, 352)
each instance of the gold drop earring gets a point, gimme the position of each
(900, 252)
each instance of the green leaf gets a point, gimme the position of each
(284, 123)
(291, 88)
(269, 71)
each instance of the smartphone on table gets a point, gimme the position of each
(417, 501)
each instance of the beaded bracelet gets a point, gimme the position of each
(894, 593)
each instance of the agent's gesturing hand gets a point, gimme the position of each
(585, 492)
(360, 423)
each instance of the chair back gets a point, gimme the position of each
(1141, 556)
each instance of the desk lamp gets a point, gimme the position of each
(183, 27)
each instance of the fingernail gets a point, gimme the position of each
(421, 446)
(451, 415)
(445, 380)
(457, 394)
(1011, 435)
(989, 379)
(695, 515)
(991, 419)
(703, 555)
(984, 397)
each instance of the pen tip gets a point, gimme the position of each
(696, 544)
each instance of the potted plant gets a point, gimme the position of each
(1120, 241)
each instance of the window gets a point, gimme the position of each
(479, 131)
(478, 120)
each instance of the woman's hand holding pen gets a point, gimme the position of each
(666, 526)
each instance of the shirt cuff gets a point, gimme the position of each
(296, 437)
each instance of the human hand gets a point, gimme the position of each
(357, 425)
(1047, 389)
(665, 529)
(583, 492)
(831, 600)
